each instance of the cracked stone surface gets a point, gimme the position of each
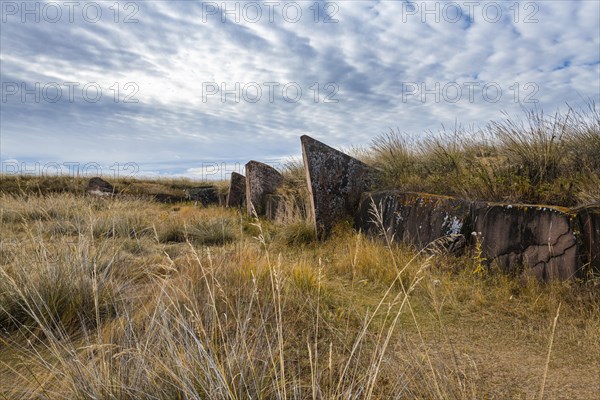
(542, 239)
(417, 218)
(99, 187)
(589, 222)
(261, 180)
(236, 196)
(335, 182)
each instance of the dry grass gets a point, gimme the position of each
(537, 159)
(294, 195)
(130, 299)
(27, 185)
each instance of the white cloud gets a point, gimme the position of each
(372, 50)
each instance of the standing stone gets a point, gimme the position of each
(589, 222)
(99, 187)
(261, 180)
(335, 182)
(236, 196)
(540, 238)
(416, 218)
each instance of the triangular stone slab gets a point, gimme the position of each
(236, 196)
(261, 180)
(335, 182)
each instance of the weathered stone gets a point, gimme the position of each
(236, 196)
(205, 195)
(99, 187)
(539, 238)
(335, 182)
(543, 241)
(416, 218)
(589, 222)
(261, 180)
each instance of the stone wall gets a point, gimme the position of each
(546, 242)
(205, 195)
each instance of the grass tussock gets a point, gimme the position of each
(293, 195)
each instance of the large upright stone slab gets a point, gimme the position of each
(416, 218)
(236, 196)
(540, 238)
(589, 223)
(335, 182)
(261, 180)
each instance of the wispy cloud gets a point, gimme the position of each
(384, 64)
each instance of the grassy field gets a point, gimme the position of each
(131, 299)
(128, 298)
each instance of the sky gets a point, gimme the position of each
(197, 89)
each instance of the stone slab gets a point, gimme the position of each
(541, 239)
(335, 181)
(416, 218)
(236, 196)
(261, 180)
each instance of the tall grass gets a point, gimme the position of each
(537, 158)
(128, 315)
(206, 329)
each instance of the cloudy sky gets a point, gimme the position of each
(175, 88)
